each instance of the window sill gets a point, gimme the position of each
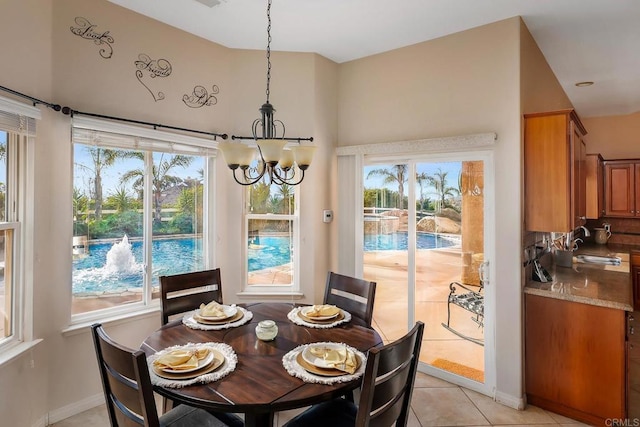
(80, 327)
(278, 295)
(14, 351)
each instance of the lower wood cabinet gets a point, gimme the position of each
(635, 277)
(575, 359)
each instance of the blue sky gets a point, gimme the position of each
(111, 175)
(452, 169)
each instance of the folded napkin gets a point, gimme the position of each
(342, 359)
(322, 310)
(181, 359)
(213, 309)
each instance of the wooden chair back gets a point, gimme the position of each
(387, 384)
(126, 382)
(180, 293)
(353, 295)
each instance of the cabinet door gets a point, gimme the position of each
(635, 278)
(636, 206)
(548, 174)
(636, 288)
(574, 357)
(579, 177)
(594, 186)
(620, 189)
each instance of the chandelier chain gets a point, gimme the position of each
(268, 48)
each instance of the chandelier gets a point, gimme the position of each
(270, 158)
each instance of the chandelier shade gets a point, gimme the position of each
(268, 156)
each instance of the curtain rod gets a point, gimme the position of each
(70, 112)
(35, 101)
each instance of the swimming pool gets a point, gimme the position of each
(117, 267)
(399, 241)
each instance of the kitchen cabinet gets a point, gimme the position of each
(555, 171)
(594, 186)
(622, 188)
(576, 359)
(635, 277)
(633, 360)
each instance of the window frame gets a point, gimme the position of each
(292, 289)
(150, 141)
(18, 121)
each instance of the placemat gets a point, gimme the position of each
(294, 316)
(290, 363)
(190, 322)
(229, 365)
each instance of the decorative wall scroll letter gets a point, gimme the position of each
(155, 68)
(201, 97)
(86, 30)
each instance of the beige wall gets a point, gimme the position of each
(444, 87)
(615, 137)
(51, 63)
(539, 87)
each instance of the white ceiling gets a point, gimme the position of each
(582, 40)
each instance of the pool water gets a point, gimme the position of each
(117, 267)
(399, 241)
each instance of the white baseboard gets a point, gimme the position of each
(510, 401)
(75, 408)
(42, 422)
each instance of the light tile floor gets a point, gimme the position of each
(435, 403)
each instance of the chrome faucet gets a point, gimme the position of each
(586, 231)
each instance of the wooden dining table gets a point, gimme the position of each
(260, 386)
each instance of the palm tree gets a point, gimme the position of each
(259, 197)
(421, 179)
(161, 177)
(439, 182)
(398, 175)
(120, 199)
(101, 159)
(286, 193)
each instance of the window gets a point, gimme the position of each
(140, 211)
(17, 132)
(271, 233)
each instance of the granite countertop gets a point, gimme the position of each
(595, 284)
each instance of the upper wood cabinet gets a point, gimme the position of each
(622, 188)
(555, 171)
(594, 186)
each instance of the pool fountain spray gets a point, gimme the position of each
(120, 258)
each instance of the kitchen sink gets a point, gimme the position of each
(598, 259)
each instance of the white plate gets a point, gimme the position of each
(319, 361)
(305, 312)
(201, 364)
(229, 311)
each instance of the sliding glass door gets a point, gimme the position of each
(425, 245)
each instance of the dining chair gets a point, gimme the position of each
(180, 293)
(129, 393)
(351, 294)
(385, 393)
